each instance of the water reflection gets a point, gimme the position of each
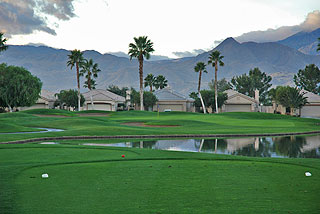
(287, 147)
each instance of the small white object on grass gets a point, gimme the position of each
(308, 174)
(45, 176)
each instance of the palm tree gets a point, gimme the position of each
(200, 67)
(150, 81)
(161, 82)
(214, 59)
(76, 59)
(140, 49)
(3, 46)
(91, 71)
(297, 99)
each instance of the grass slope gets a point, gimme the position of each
(98, 180)
(112, 123)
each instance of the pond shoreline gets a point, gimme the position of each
(158, 136)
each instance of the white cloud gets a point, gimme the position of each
(312, 22)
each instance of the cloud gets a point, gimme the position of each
(195, 52)
(311, 23)
(36, 44)
(26, 16)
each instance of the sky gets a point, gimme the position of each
(177, 28)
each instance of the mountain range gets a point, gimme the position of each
(306, 42)
(280, 59)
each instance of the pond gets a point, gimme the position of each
(283, 147)
(42, 131)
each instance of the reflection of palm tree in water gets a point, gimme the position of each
(210, 145)
(289, 146)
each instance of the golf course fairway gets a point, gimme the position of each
(95, 179)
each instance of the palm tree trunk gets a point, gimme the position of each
(151, 88)
(89, 87)
(78, 80)
(10, 109)
(141, 81)
(202, 103)
(216, 86)
(92, 106)
(201, 145)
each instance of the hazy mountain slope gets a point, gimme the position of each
(305, 42)
(49, 65)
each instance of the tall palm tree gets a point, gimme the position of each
(149, 81)
(161, 82)
(76, 59)
(201, 67)
(142, 47)
(3, 46)
(90, 70)
(214, 59)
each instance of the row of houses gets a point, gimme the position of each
(170, 100)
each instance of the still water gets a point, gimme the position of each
(284, 147)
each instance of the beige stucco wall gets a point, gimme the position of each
(310, 110)
(174, 105)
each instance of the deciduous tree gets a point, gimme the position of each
(208, 99)
(69, 98)
(308, 79)
(223, 85)
(149, 99)
(18, 87)
(256, 80)
(115, 89)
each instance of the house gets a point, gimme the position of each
(311, 109)
(45, 101)
(238, 102)
(102, 100)
(169, 100)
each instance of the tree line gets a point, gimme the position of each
(20, 88)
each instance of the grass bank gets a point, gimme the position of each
(174, 123)
(86, 179)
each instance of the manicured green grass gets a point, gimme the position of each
(85, 179)
(111, 123)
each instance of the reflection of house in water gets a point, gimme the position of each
(177, 145)
(312, 142)
(238, 143)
